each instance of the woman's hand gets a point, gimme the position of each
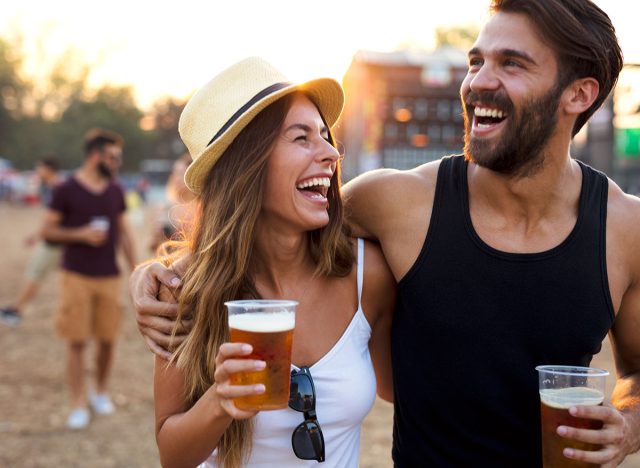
(230, 360)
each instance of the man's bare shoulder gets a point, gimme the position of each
(623, 221)
(623, 209)
(424, 175)
(381, 202)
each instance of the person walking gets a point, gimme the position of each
(46, 255)
(87, 216)
(176, 215)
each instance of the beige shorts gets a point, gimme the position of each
(89, 307)
(44, 258)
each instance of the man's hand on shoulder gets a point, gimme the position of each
(153, 289)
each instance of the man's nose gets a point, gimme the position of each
(484, 79)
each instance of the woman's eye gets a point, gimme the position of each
(300, 138)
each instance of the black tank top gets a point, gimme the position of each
(472, 323)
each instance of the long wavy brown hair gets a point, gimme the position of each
(221, 250)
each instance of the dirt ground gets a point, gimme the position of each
(33, 394)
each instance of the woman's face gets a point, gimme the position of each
(299, 171)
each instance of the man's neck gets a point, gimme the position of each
(556, 184)
(89, 177)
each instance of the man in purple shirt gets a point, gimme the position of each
(87, 215)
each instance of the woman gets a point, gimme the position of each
(270, 226)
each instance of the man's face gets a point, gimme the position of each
(509, 96)
(520, 148)
(110, 161)
(45, 173)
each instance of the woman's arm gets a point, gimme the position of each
(187, 436)
(378, 300)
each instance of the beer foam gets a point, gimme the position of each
(263, 323)
(564, 398)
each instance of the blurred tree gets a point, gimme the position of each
(51, 112)
(163, 119)
(113, 108)
(12, 91)
(461, 37)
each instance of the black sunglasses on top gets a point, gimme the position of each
(307, 439)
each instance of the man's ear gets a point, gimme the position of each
(579, 95)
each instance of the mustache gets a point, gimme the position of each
(105, 171)
(498, 99)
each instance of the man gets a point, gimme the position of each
(45, 257)
(513, 256)
(87, 215)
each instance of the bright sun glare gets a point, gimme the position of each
(164, 49)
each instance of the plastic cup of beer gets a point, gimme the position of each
(267, 325)
(562, 387)
(100, 223)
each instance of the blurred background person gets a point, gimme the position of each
(87, 215)
(177, 213)
(46, 255)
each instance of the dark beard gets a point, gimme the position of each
(519, 151)
(104, 171)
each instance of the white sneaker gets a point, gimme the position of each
(78, 419)
(101, 403)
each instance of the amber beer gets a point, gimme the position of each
(562, 387)
(270, 333)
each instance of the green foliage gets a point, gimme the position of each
(461, 37)
(52, 115)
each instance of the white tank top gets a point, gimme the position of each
(345, 387)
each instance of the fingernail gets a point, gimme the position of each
(246, 348)
(562, 430)
(175, 281)
(259, 388)
(573, 411)
(260, 364)
(568, 452)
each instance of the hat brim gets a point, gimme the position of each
(326, 94)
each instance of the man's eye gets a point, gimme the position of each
(474, 62)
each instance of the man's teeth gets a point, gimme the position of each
(486, 112)
(315, 182)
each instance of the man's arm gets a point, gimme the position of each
(393, 207)
(53, 232)
(154, 290)
(625, 333)
(625, 338)
(620, 434)
(126, 241)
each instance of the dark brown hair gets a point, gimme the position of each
(582, 37)
(50, 161)
(98, 138)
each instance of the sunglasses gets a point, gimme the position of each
(307, 440)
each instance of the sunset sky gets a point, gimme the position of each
(172, 48)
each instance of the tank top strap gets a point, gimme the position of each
(360, 270)
(593, 202)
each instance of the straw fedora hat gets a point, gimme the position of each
(218, 111)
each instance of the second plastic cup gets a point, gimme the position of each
(562, 387)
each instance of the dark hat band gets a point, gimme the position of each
(262, 94)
